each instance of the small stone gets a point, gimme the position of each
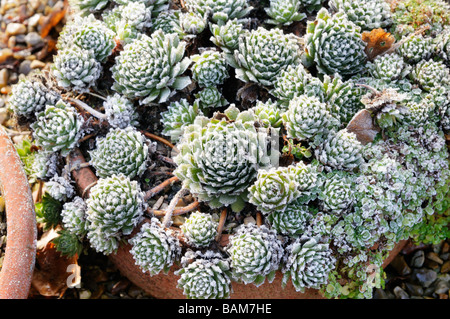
(5, 54)
(249, 220)
(25, 67)
(434, 257)
(4, 75)
(36, 64)
(34, 20)
(32, 39)
(437, 247)
(134, 291)
(380, 294)
(418, 259)
(400, 293)
(5, 90)
(425, 277)
(120, 286)
(400, 266)
(12, 42)
(442, 287)
(445, 256)
(85, 294)
(443, 296)
(413, 290)
(445, 267)
(15, 29)
(445, 248)
(431, 264)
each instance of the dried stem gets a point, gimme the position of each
(169, 211)
(89, 109)
(259, 221)
(223, 218)
(176, 211)
(374, 91)
(160, 139)
(157, 189)
(97, 95)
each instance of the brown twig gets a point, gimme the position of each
(176, 211)
(259, 221)
(223, 218)
(169, 211)
(86, 137)
(157, 189)
(160, 139)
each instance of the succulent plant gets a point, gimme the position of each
(209, 68)
(120, 112)
(76, 69)
(255, 254)
(192, 24)
(150, 68)
(114, 208)
(307, 118)
(121, 151)
(218, 160)
(367, 14)
(341, 150)
(273, 190)
(28, 97)
(293, 221)
(334, 44)
(416, 48)
(68, 244)
(167, 22)
(44, 164)
(154, 248)
(284, 12)
(431, 74)
(226, 35)
(156, 6)
(57, 128)
(289, 83)
(199, 229)
(311, 5)
(442, 45)
(206, 277)
(220, 10)
(337, 195)
(89, 34)
(388, 67)
(307, 178)
(179, 114)
(73, 216)
(60, 188)
(263, 54)
(268, 113)
(307, 263)
(88, 6)
(211, 97)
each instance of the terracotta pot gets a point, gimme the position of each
(19, 260)
(163, 286)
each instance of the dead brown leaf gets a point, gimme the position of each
(50, 21)
(378, 42)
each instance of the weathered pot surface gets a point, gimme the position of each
(20, 253)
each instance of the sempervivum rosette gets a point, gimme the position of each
(179, 114)
(220, 10)
(150, 68)
(210, 97)
(154, 248)
(226, 36)
(28, 97)
(307, 118)
(416, 48)
(273, 190)
(58, 128)
(262, 54)
(87, 6)
(268, 113)
(388, 67)
(89, 34)
(334, 44)
(114, 207)
(209, 68)
(282, 12)
(76, 68)
(204, 275)
(293, 221)
(431, 74)
(367, 14)
(74, 216)
(218, 160)
(255, 253)
(307, 263)
(119, 111)
(341, 150)
(199, 229)
(337, 194)
(121, 151)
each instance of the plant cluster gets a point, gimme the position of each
(259, 111)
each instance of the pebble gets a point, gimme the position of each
(36, 64)
(25, 67)
(5, 54)
(434, 257)
(15, 29)
(442, 287)
(400, 293)
(4, 75)
(425, 276)
(400, 265)
(85, 294)
(418, 259)
(414, 290)
(32, 39)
